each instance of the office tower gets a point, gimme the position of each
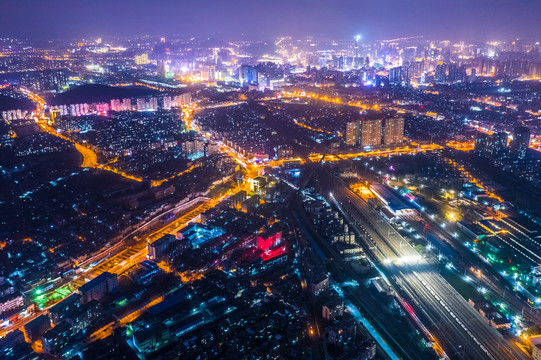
(248, 74)
(408, 54)
(394, 131)
(141, 59)
(161, 70)
(520, 143)
(440, 73)
(126, 105)
(341, 63)
(323, 60)
(395, 75)
(352, 133)
(482, 144)
(371, 132)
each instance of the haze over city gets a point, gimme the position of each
(261, 20)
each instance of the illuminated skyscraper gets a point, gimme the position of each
(141, 104)
(115, 105)
(211, 74)
(394, 131)
(167, 102)
(126, 105)
(323, 60)
(395, 75)
(248, 74)
(153, 104)
(352, 133)
(161, 70)
(520, 143)
(141, 59)
(371, 132)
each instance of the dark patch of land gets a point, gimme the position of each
(99, 93)
(10, 103)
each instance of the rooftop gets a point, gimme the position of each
(99, 279)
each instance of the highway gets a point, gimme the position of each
(120, 257)
(459, 327)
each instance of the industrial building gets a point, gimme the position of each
(392, 199)
(99, 287)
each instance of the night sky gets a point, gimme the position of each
(257, 19)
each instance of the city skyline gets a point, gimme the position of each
(304, 180)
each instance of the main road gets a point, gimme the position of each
(459, 327)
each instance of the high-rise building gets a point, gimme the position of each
(167, 102)
(37, 327)
(394, 131)
(161, 70)
(126, 105)
(55, 114)
(141, 59)
(181, 100)
(490, 146)
(115, 105)
(395, 75)
(440, 73)
(408, 54)
(352, 133)
(153, 104)
(371, 132)
(520, 143)
(193, 149)
(499, 143)
(457, 73)
(482, 143)
(323, 60)
(248, 74)
(45, 80)
(141, 104)
(211, 74)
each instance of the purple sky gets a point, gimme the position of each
(375, 19)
